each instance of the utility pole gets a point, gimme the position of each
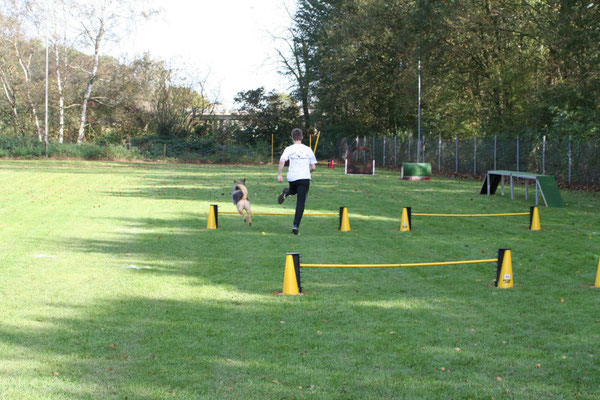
(419, 112)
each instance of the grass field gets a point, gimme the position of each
(112, 288)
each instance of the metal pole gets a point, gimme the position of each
(384, 151)
(373, 148)
(517, 152)
(475, 155)
(544, 155)
(457, 154)
(395, 150)
(495, 149)
(409, 146)
(440, 152)
(570, 160)
(46, 106)
(419, 113)
(512, 187)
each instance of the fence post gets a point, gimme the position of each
(440, 152)
(569, 159)
(164, 151)
(544, 155)
(395, 150)
(373, 152)
(365, 145)
(474, 155)
(383, 151)
(457, 154)
(495, 149)
(517, 152)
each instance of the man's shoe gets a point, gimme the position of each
(295, 230)
(283, 195)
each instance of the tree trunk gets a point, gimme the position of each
(25, 66)
(304, 84)
(90, 86)
(61, 98)
(298, 68)
(10, 96)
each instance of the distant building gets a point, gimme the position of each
(221, 117)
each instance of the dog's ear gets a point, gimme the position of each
(244, 180)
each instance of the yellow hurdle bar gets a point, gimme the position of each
(268, 213)
(489, 260)
(470, 215)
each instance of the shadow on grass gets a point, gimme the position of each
(399, 334)
(232, 344)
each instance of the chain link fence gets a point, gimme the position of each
(569, 161)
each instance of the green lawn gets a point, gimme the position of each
(112, 288)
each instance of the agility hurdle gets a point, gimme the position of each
(213, 217)
(534, 217)
(292, 283)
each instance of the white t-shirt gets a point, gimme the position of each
(300, 157)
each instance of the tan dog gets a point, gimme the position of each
(240, 199)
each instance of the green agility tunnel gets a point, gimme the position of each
(416, 171)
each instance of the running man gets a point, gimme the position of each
(302, 163)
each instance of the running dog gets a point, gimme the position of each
(240, 199)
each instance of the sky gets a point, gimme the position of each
(229, 42)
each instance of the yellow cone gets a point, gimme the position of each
(598, 276)
(505, 279)
(535, 219)
(212, 217)
(345, 224)
(404, 223)
(290, 281)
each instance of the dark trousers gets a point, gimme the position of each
(299, 188)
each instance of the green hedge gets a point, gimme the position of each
(151, 147)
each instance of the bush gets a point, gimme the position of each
(65, 150)
(18, 147)
(198, 148)
(118, 152)
(92, 151)
(191, 149)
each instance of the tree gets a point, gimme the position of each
(490, 67)
(8, 75)
(62, 45)
(101, 20)
(18, 51)
(179, 107)
(297, 65)
(265, 114)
